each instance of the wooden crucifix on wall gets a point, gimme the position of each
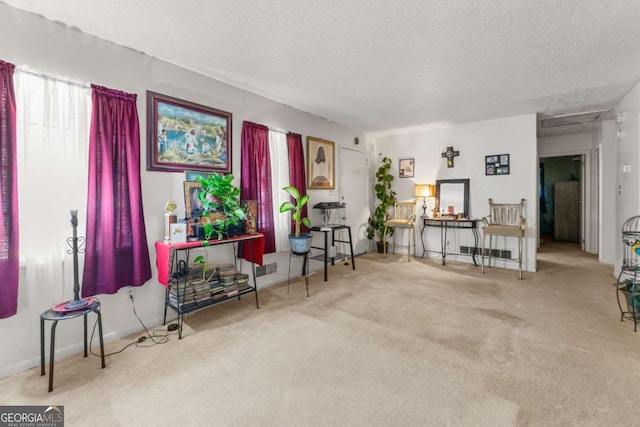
(450, 154)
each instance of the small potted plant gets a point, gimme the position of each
(386, 198)
(300, 243)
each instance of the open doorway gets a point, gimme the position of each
(561, 198)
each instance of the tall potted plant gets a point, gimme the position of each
(386, 198)
(300, 243)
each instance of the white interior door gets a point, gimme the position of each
(354, 192)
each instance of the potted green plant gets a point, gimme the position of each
(386, 198)
(222, 213)
(300, 243)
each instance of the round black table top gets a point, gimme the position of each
(52, 314)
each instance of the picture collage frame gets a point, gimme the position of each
(497, 164)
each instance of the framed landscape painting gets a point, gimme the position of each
(182, 135)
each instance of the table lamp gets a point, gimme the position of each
(424, 191)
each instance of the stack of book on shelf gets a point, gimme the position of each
(202, 284)
(227, 280)
(181, 295)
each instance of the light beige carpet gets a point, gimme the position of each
(391, 343)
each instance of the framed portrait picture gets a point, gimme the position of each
(192, 203)
(496, 164)
(406, 168)
(320, 164)
(182, 135)
(251, 221)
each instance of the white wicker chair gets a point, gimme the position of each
(404, 216)
(504, 219)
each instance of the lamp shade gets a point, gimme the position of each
(424, 190)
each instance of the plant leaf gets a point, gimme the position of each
(293, 192)
(286, 207)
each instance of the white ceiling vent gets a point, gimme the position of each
(570, 123)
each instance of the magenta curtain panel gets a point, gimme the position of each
(255, 178)
(297, 174)
(9, 254)
(116, 253)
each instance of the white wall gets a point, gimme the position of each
(628, 152)
(515, 136)
(48, 46)
(558, 145)
(609, 232)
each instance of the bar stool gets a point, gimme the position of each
(54, 316)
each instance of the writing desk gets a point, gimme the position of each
(444, 224)
(325, 229)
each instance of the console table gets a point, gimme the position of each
(444, 224)
(186, 296)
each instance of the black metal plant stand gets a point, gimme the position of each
(627, 284)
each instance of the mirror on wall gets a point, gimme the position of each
(452, 197)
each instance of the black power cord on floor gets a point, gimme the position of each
(155, 337)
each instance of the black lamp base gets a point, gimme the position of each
(76, 304)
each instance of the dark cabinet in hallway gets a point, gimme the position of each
(566, 211)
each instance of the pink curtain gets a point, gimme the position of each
(9, 254)
(116, 244)
(255, 178)
(297, 175)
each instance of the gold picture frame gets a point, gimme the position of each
(321, 156)
(192, 203)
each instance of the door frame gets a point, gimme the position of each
(586, 215)
(355, 235)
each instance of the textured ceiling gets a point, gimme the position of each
(383, 64)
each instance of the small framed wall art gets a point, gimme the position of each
(320, 164)
(407, 168)
(496, 164)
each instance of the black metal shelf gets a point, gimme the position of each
(197, 305)
(180, 279)
(320, 257)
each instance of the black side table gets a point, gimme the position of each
(325, 229)
(55, 316)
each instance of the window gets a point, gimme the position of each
(52, 123)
